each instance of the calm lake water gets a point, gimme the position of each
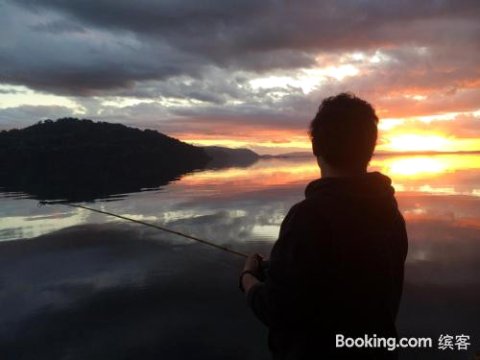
(77, 284)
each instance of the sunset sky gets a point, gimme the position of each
(245, 73)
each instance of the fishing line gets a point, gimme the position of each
(206, 242)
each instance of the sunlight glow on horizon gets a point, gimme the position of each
(414, 142)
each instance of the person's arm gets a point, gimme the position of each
(253, 288)
(287, 265)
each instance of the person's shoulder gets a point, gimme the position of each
(297, 209)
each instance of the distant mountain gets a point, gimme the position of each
(227, 157)
(80, 160)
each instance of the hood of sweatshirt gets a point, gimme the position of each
(372, 184)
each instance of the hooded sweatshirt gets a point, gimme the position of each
(335, 270)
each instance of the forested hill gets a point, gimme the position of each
(80, 160)
(72, 140)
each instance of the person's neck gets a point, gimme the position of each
(327, 171)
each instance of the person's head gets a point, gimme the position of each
(344, 133)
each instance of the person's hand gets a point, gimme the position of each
(251, 272)
(253, 263)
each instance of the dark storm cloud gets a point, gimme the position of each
(129, 42)
(42, 53)
(251, 25)
(38, 49)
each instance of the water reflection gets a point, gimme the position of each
(262, 193)
(242, 208)
(440, 174)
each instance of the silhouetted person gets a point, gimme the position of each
(337, 266)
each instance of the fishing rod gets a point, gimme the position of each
(158, 227)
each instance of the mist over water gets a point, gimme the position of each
(77, 284)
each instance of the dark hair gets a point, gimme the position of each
(344, 131)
